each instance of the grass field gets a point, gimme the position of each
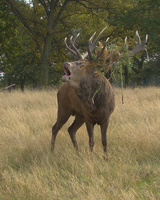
(29, 171)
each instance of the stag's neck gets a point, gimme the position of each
(92, 92)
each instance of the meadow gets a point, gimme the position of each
(30, 171)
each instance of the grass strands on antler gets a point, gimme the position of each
(112, 60)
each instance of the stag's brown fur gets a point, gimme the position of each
(86, 94)
(92, 102)
(96, 96)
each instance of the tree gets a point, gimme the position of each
(142, 16)
(47, 21)
(18, 54)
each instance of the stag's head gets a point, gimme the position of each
(86, 65)
(77, 70)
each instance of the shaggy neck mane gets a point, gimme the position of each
(92, 92)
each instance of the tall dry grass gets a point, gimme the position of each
(29, 171)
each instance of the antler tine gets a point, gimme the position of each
(105, 44)
(75, 38)
(71, 50)
(96, 40)
(89, 50)
(139, 46)
(138, 38)
(147, 54)
(124, 45)
(89, 47)
(145, 42)
(146, 39)
(75, 49)
(91, 38)
(92, 45)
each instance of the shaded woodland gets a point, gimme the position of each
(32, 36)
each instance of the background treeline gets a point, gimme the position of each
(32, 38)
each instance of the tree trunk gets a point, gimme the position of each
(45, 59)
(47, 47)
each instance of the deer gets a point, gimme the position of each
(86, 94)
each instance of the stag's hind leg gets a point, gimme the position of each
(104, 137)
(62, 119)
(73, 129)
(90, 128)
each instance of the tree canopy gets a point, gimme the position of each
(32, 37)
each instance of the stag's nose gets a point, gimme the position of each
(66, 64)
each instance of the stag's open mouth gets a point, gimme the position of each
(67, 75)
(67, 72)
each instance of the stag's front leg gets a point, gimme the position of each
(104, 138)
(62, 119)
(90, 128)
(73, 129)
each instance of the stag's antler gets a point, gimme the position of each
(72, 41)
(139, 46)
(91, 46)
(124, 45)
(103, 48)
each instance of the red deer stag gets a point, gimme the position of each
(86, 94)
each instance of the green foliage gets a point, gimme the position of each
(32, 35)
